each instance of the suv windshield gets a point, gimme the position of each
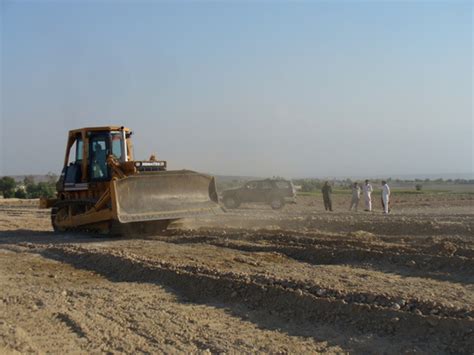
(283, 184)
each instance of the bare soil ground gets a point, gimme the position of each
(299, 280)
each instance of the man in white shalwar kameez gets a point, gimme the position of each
(367, 190)
(385, 196)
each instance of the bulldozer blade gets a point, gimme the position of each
(164, 195)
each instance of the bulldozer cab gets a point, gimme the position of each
(86, 155)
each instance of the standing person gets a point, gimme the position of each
(327, 190)
(385, 197)
(367, 189)
(355, 196)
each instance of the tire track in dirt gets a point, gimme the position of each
(319, 249)
(429, 245)
(362, 312)
(425, 266)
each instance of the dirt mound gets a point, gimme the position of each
(444, 248)
(364, 312)
(363, 235)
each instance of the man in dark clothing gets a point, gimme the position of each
(327, 190)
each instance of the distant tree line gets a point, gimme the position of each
(439, 181)
(28, 188)
(312, 185)
(309, 185)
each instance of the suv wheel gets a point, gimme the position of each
(231, 202)
(277, 203)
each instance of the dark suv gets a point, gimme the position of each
(274, 192)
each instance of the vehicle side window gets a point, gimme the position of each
(251, 185)
(98, 158)
(265, 185)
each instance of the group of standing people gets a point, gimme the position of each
(366, 192)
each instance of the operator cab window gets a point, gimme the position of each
(117, 150)
(74, 168)
(75, 153)
(98, 158)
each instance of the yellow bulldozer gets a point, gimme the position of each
(102, 189)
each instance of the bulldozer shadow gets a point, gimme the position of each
(28, 236)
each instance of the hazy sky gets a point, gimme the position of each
(291, 88)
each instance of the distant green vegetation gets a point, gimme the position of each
(394, 191)
(7, 186)
(28, 188)
(318, 192)
(414, 187)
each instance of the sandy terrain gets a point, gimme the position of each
(299, 280)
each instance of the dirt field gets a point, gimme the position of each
(299, 280)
